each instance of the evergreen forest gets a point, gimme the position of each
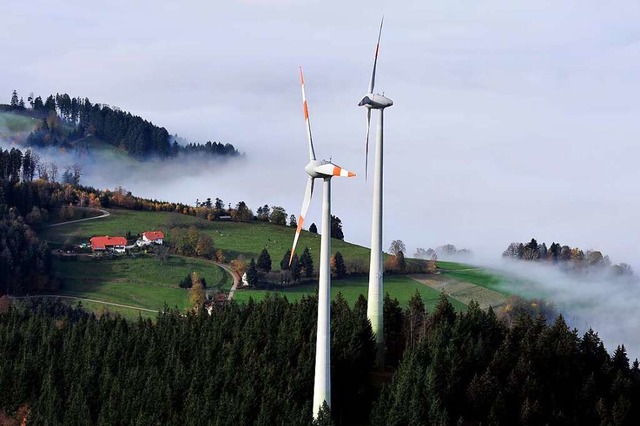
(253, 364)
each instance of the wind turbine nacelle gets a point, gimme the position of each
(375, 101)
(325, 169)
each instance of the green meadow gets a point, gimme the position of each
(12, 124)
(234, 238)
(142, 281)
(398, 286)
(146, 283)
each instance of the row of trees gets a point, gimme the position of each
(570, 259)
(447, 250)
(16, 166)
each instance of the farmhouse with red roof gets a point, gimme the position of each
(108, 243)
(156, 237)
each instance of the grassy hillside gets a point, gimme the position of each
(143, 282)
(100, 151)
(233, 238)
(15, 127)
(474, 275)
(149, 284)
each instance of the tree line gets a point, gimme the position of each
(65, 119)
(567, 258)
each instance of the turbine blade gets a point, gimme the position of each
(330, 169)
(375, 60)
(303, 213)
(366, 147)
(305, 109)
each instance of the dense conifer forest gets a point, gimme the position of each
(253, 364)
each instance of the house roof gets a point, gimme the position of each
(153, 235)
(101, 243)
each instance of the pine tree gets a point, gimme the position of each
(338, 268)
(307, 263)
(284, 263)
(324, 416)
(336, 228)
(252, 273)
(313, 228)
(14, 99)
(264, 261)
(296, 268)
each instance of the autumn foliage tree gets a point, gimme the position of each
(196, 293)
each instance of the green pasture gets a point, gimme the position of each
(141, 281)
(495, 280)
(10, 124)
(117, 224)
(234, 238)
(398, 286)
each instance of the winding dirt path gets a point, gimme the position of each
(234, 275)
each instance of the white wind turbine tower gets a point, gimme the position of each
(324, 170)
(376, 287)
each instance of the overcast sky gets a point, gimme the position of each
(510, 121)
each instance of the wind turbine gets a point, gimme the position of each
(374, 308)
(324, 170)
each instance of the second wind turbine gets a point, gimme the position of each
(324, 170)
(376, 287)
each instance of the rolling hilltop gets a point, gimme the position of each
(64, 122)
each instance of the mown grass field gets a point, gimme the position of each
(141, 281)
(398, 286)
(474, 275)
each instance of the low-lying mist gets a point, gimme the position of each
(605, 303)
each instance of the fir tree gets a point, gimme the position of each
(264, 261)
(252, 273)
(307, 262)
